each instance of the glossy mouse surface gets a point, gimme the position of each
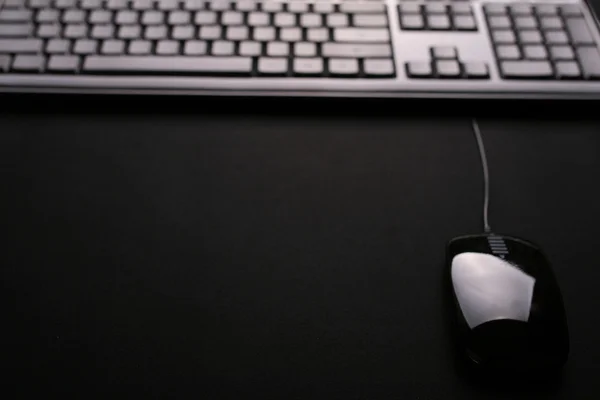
(507, 306)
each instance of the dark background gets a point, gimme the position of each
(276, 250)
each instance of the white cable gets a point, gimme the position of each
(486, 175)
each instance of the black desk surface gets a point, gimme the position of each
(234, 255)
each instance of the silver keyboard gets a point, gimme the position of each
(364, 48)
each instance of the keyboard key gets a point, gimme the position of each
(567, 70)
(85, 46)
(183, 32)
(499, 22)
(126, 17)
(311, 20)
(570, 10)
(317, 34)
(47, 16)
(342, 50)
(130, 32)
(535, 52)
(37, 4)
(371, 20)
(272, 6)
(352, 7)
(337, 20)
(153, 18)
(90, 4)
(578, 30)
(447, 68)
(526, 69)
(284, 19)
(15, 30)
(556, 37)
(16, 16)
(258, 19)
(546, 10)
(264, 34)
(180, 18)
(29, 63)
(308, 66)
(74, 17)
(63, 64)
(278, 49)
(525, 23)
(503, 37)
(20, 46)
(530, 37)
(551, 23)
(495, 9)
(75, 31)
(290, 34)
(5, 62)
(521, 9)
(409, 8)
(168, 65)
(561, 53)
(205, 18)
(201, 4)
(155, 32)
(435, 8)
(323, 7)
(245, 5)
(461, 9)
(250, 49)
(64, 4)
(447, 52)
(222, 48)
(272, 66)
(168, 4)
(343, 67)
(195, 48)
(7, 4)
(508, 52)
(412, 22)
(419, 69)
(58, 46)
(103, 32)
(100, 17)
(464, 22)
(167, 47)
(48, 31)
(140, 47)
(438, 22)
(113, 47)
(358, 35)
(142, 4)
(232, 18)
(116, 4)
(589, 58)
(476, 70)
(297, 7)
(305, 49)
(377, 68)
(216, 5)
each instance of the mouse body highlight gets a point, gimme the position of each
(507, 307)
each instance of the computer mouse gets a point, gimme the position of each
(508, 311)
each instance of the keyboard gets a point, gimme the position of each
(350, 48)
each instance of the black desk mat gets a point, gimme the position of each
(292, 256)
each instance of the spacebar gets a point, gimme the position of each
(168, 65)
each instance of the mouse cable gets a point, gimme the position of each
(486, 175)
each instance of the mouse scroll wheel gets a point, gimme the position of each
(497, 246)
